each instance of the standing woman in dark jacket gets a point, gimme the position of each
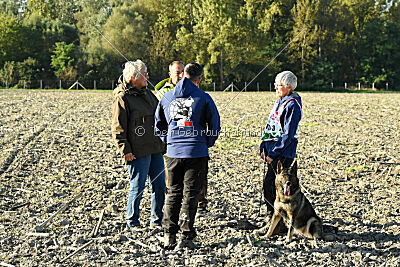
(133, 131)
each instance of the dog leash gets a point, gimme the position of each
(261, 191)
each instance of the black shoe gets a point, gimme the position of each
(186, 243)
(169, 241)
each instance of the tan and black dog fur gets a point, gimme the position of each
(291, 203)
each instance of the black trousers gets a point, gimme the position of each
(203, 201)
(186, 178)
(269, 182)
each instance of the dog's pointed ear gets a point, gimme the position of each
(279, 167)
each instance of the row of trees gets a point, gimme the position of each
(322, 41)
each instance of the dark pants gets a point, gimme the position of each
(269, 182)
(203, 201)
(203, 194)
(186, 178)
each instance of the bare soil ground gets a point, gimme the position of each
(55, 145)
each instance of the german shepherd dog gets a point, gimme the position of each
(290, 202)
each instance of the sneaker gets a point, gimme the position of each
(169, 241)
(186, 243)
(131, 224)
(134, 228)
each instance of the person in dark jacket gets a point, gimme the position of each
(187, 120)
(279, 140)
(133, 132)
(164, 86)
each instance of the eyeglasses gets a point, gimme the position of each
(144, 74)
(279, 85)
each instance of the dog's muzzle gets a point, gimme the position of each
(286, 189)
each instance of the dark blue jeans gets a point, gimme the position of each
(140, 169)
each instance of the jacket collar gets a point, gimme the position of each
(131, 90)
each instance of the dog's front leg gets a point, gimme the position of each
(274, 222)
(290, 230)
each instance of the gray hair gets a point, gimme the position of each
(287, 78)
(133, 69)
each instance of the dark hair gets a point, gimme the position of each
(193, 71)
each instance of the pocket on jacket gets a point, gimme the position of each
(143, 130)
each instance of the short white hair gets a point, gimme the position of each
(287, 78)
(133, 69)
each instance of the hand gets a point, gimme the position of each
(269, 160)
(129, 157)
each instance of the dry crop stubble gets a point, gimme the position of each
(57, 144)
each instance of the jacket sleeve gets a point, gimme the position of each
(160, 124)
(119, 126)
(291, 119)
(213, 122)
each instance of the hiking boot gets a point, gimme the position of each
(186, 243)
(169, 241)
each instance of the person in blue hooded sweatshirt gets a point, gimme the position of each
(187, 120)
(279, 140)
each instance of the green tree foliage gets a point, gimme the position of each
(8, 73)
(62, 10)
(330, 40)
(220, 40)
(12, 45)
(11, 7)
(127, 31)
(165, 17)
(379, 56)
(14, 72)
(43, 34)
(91, 17)
(64, 56)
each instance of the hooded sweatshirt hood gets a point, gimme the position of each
(184, 88)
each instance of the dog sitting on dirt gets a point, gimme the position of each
(290, 202)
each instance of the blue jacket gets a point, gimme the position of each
(187, 120)
(290, 118)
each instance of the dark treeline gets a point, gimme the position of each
(330, 41)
